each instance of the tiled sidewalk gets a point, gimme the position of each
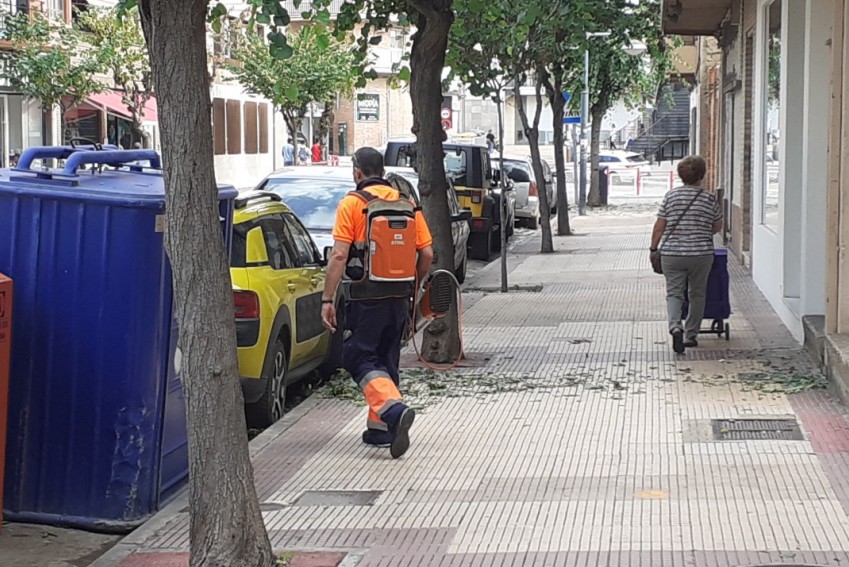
(584, 441)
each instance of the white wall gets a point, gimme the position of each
(788, 262)
(246, 170)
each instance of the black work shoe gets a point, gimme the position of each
(678, 341)
(377, 438)
(401, 433)
(691, 343)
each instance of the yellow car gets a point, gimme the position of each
(278, 280)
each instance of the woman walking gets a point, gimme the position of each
(682, 249)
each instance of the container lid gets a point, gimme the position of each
(133, 185)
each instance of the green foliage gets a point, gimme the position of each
(118, 44)
(317, 69)
(49, 63)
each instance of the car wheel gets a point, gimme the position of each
(460, 272)
(533, 223)
(271, 406)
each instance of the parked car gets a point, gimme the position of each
(620, 159)
(314, 194)
(278, 279)
(526, 189)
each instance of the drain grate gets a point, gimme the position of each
(756, 430)
(338, 498)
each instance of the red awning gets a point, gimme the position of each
(110, 101)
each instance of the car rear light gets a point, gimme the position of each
(532, 190)
(479, 224)
(246, 305)
(476, 197)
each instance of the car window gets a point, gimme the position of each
(404, 186)
(455, 166)
(307, 255)
(605, 159)
(238, 252)
(546, 171)
(278, 242)
(635, 158)
(313, 200)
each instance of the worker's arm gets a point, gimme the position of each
(335, 269)
(424, 262)
(717, 226)
(657, 232)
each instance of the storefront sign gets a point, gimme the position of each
(368, 108)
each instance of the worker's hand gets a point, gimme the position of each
(328, 317)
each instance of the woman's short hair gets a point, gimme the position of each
(692, 169)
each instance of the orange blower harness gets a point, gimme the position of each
(434, 302)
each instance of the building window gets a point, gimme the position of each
(234, 127)
(219, 126)
(251, 129)
(771, 104)
(263, 128)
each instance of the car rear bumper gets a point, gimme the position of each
(529, 211)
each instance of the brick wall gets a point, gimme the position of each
(396, 117)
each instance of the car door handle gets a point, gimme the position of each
(315, 281)
(292, 287)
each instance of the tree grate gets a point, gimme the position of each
(756, 430)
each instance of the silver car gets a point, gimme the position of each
(526, 189)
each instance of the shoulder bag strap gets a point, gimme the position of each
(680, 218)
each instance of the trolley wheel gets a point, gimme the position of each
(727, 332)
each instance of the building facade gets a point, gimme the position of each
(777, 135)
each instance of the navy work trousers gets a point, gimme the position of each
(375, 344)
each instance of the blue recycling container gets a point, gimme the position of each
(97, 427)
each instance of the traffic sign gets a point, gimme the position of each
(567, 97)
(571, 120)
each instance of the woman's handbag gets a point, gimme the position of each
(655, 256)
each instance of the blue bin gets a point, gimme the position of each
(97, 427)
(718, 301)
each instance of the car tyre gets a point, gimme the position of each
(533, 223)
(271, 406)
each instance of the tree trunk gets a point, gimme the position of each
(294, 123)
(594, 198)
(558, 108)
(442, 337)
(532, 134)
(226, 526)
(499, 103)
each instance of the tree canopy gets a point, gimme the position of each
(48, 63)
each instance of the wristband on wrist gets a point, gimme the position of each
(652, 249)
(326, 301)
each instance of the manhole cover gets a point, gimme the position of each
(338, 498)
(756, 430)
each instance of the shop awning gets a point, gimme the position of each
(110, 102)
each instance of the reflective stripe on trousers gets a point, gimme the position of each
(373, 353)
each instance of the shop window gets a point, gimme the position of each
(219, 126)
(772, 109)
(251, 132)
(234, 127)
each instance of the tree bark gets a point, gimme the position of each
(433, 19)
(226, 526)
(532, 134)
(597, 113)
(558, 108)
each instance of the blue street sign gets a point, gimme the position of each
(567, 97)
(571, 120)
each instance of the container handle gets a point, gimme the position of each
(109, 157)
(51, 152)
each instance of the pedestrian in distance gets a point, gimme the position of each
(289, 153)
(490, 141)
(383, 245)
(682, 249)
(316, 151)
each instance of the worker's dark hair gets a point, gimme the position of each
(369, 161)
(290, 140)
(692, 169)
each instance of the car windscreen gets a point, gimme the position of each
(636, 158)
(313, 200)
